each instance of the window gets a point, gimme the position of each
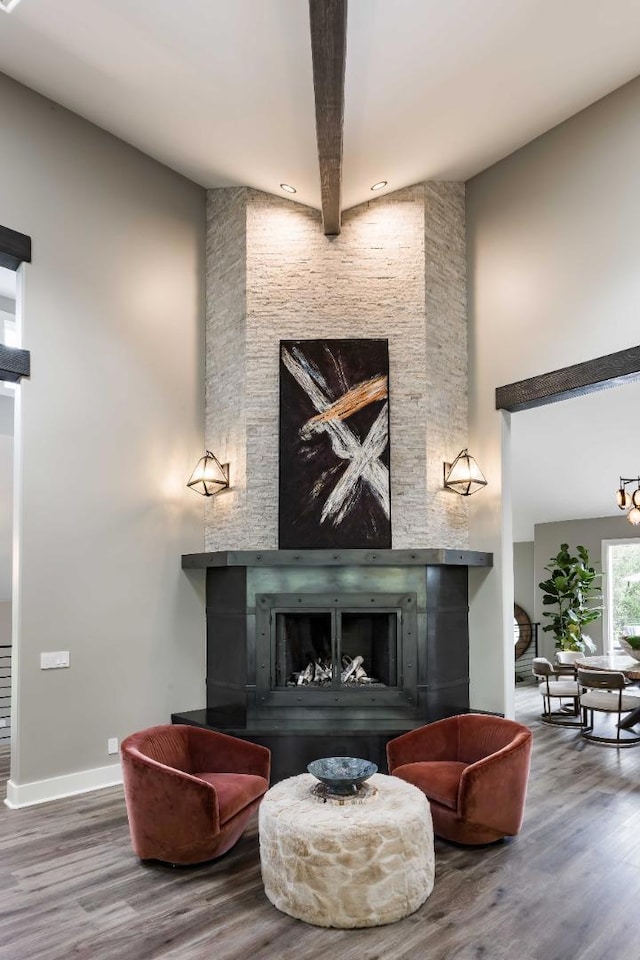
(622, 588)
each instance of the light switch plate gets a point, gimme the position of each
(54, 660)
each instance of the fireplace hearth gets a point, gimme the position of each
(317, 653)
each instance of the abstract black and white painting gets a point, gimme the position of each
(334, 444)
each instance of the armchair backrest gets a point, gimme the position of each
(165, 744)
(481, 735)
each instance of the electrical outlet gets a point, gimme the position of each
(112, 745)
(54, 660)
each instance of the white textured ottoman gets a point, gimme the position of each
(348, 862)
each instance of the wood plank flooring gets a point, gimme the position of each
(567, 888)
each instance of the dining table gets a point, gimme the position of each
(620, 663)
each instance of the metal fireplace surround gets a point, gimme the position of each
(274, 614)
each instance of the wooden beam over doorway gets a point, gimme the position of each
(14, 364)
(15, 248)
(574, 381)
(329, 53)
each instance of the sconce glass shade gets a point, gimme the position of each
(634, 516)
(622, 498)
(464, 476)
(210, 476)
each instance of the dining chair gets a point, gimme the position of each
(566, 662)
(605, 691)
(556, 689)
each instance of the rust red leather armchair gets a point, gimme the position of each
(474, 769)
(190, 792)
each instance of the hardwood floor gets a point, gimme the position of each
(567, 888)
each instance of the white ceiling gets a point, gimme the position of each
(221, 90)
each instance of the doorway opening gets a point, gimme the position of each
(545, 392)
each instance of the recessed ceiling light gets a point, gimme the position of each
(380, 184)
(288, 188)
(8, 5)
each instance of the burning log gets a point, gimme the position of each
(323, 672)
(319, 673)
(306, 676)
(350, 668)
(315, 672)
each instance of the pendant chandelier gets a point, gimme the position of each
(629, 500)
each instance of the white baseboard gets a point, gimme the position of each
(41, 791)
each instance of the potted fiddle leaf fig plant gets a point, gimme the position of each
(572, 588)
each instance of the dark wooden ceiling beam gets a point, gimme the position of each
(574, 381)
(15, 248)
(329, 53)
(14, 364)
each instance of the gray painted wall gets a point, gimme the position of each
(109, 428)
(552, 236)
(588, 533)
(5, 623)
(397, 270)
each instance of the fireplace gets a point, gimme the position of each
(321, 651)
(317, 653)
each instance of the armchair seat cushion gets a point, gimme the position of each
(235, 791)
(438, 779)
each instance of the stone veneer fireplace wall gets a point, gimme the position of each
(397, 270)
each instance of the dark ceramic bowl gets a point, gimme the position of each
(342, 775)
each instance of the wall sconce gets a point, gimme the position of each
(210, 476)
(629, 501)
(464, 476)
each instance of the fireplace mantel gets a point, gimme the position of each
(432, 557)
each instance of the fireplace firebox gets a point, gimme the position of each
(322, 650)
(334, 650)
(316, 653)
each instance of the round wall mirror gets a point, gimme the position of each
(522, 630)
